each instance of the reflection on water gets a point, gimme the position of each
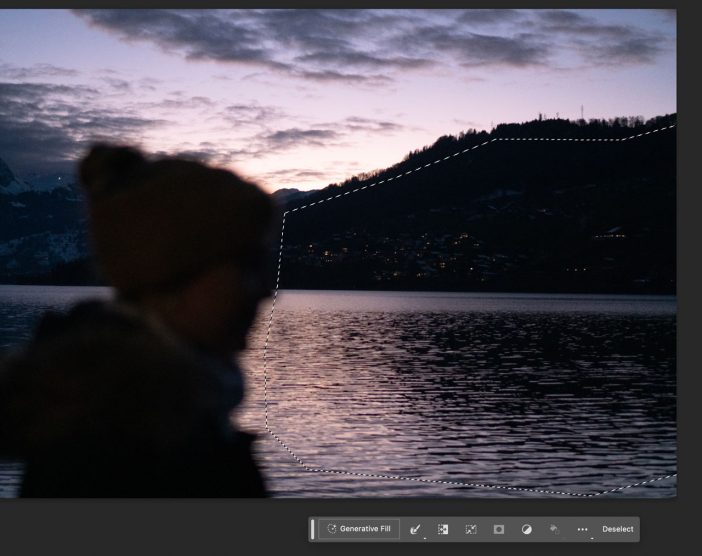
(554, 392)
(546, 392)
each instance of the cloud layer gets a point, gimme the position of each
(46, 126)
(358, 46)
(358, 65)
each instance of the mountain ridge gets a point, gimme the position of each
(9, 183)
(508, 216)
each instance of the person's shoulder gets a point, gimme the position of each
(99, 340)
(91, 318)
(98, 369)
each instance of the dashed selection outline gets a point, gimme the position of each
(312, 469)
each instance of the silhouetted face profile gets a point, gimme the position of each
(235, 291)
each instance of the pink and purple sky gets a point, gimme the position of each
(304, 98)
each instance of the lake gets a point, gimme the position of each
(541, 395)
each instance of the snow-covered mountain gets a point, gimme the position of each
(49, 182)
(9, 183)
(39, 253)
(42, 224)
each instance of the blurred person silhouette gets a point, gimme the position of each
(133, 396)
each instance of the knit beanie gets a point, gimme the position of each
(154, 222)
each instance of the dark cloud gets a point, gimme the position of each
(181, 102)
(308, 44)
(293, 175)
(349, 78)
(626, 50)
(251, 114)
(37, 92)
(208, 153)
(117, 84)
(356, 123)
(482, 17)
(319, 135)
(477, 49)
(330, 38)
(575, 25)
(206, 156)
(45, 127)
(561, 17)
(149, 83)
(344, 45)
(324, 134)
(320, 30)
(363, 59)
(196, 34)
(295, 137)
(604, 44)
(11, 71)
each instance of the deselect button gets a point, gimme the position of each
(618, 529)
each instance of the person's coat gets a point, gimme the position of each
(105, 402)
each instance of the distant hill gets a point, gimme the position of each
(551, 216)
(287, 196)
(561, 216)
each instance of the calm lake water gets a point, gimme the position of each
(567, 393)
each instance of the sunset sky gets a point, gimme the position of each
(304, 98)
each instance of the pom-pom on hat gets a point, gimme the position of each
(157, 222)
